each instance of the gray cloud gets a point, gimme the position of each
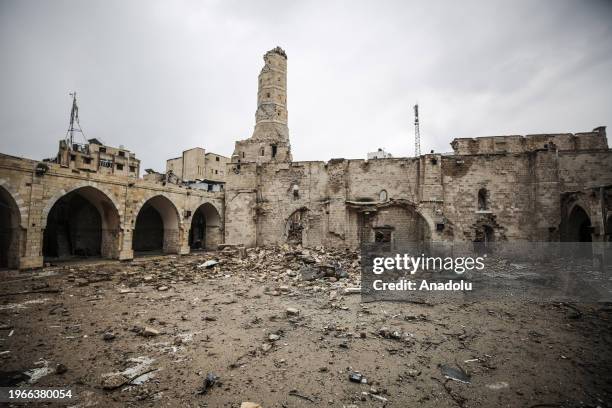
(160, 77)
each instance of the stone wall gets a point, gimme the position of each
(31, 195)
(593, 140)
(434, 197)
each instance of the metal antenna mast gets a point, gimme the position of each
(417, 135)
(74, 120)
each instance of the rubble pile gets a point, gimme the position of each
(283, 269)
(285, 326)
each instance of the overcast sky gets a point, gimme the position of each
(162, 76)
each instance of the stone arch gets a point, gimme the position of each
(578, 224)
(11, 232)
(205, 230)
(63, 192)
(157, 226)
(83, 221)
(19, 202)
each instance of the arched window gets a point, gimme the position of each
(483, 199)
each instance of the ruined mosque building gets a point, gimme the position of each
(89, 200)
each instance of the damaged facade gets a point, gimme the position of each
(549, 187)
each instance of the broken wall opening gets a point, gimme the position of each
(82, 223)
(205, 231)
(401, 226)
(296, 226)
(484, 237)
(10, 231)
(157, 227)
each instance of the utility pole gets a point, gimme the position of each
(417, 135)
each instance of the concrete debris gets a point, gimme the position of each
(37, 373)
(352, 291)
(137, 374)
(292, 311)
(108, 336)
(378, 397)
(209, 382)
(208, 264)
(281, 335)
(498, 385)
(455, 374)
(149, 332)
(313, 271)
(112, 381)
(357, 377)
(60, 369)
(250, 405)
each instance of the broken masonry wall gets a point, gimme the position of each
(545, 195)
(321, 192)
(524, 191)
(405, 226)
(241, 204)
(508, 183)
(384, 181)
(366, 179)
(594, 140)
(583, 170)
(337, 194)
(587, 176)
(284, 189)
(430, 179)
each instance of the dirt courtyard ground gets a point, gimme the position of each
(149, 331)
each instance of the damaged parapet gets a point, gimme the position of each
(270, 139)
(595, 140)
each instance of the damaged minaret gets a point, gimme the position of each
(270, 140)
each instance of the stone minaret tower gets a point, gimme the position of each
(270, 140)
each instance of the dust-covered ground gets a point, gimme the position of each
(281, 327)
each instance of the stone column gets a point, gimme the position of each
(32, 256)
